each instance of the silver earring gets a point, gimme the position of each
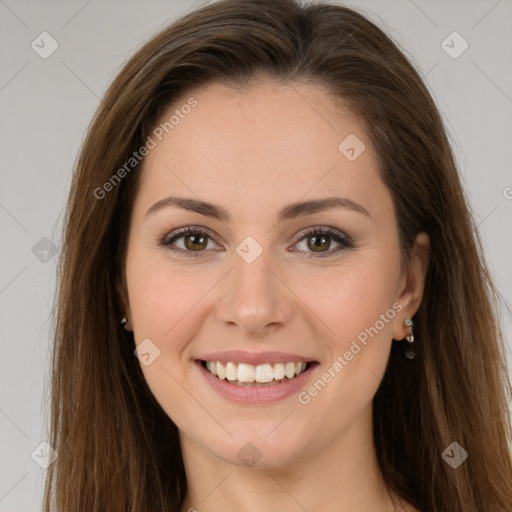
(409, 323)
(124, 320)
(409, 352)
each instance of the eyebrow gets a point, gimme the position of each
(288, 212)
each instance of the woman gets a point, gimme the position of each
(271, 291)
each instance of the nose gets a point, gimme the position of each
(254, 298)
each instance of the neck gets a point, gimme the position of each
(342, 476)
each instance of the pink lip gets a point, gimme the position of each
(259, 394)
(239, 356)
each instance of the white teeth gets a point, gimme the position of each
(221, 371)
(289, 370)
(231, 371)
(278, 371)
(261, 373)
(245, 372)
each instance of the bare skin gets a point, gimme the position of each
(252, 152)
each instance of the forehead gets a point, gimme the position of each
(265, 117)
(267, 143)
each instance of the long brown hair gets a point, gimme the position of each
(117, 449)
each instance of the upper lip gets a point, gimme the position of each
(254, 358)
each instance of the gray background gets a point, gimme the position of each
(46, 105)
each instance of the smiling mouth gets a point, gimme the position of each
(242, 374)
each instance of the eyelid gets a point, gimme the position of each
(193, 229)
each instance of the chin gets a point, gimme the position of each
(260, 446)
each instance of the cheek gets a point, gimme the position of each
(354, 294)
(161, 294)
(164, 305)
(359, 310)
(358, 305)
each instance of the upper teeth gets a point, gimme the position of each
(249, 373)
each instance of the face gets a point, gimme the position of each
(258, 282)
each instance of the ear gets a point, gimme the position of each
(412, 283)
(124, 303)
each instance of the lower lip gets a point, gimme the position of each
(256, 394)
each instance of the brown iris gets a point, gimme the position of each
(318, 242)
(199, 242)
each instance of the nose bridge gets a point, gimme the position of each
(253, 297)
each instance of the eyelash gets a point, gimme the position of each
(337, 236)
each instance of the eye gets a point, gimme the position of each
(318, 240)
(195, 240)
(321, 238)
